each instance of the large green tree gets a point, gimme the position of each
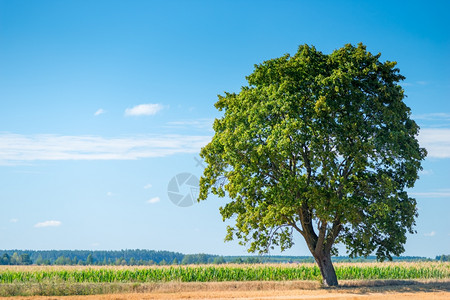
(320, 145)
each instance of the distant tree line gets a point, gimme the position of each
(443, 257)
(151, 257)
(121, 257)
(15, 259)
(310, 259)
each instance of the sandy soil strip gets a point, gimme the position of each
(294, 294)
(370, 290)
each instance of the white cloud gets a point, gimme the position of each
(143, 110)
(14, 220)
(436, 141)
(432, 117)
(434, 194)
(109, 194)
(433, 120)
(48, 224)
(153, 200)
(426, 172)
(420, 82)
(99, 112)
(433, 233)
(17, 148)
(196, 123)
(147, 186)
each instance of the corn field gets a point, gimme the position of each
(208, 273)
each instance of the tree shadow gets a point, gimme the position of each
(389, 286)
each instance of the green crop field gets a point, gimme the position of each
(207, 273)
(17, 280)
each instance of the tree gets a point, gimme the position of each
(162, 262)
(443, 257)
(132, 261)
(61, 260)
(253, 260)
(218, 260)
(25, 259)
(15, 259)
(5, 260)
(318, 144)
(238, 260)
(39, 260)
(187, 260)
(89, 259)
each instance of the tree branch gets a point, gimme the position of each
(309, 233)
(322, 231)
(333, 234)
(292, 223)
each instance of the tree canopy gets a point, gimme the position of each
(318, 144)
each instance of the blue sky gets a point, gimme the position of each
(102, 103)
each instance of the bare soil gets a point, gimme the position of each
(373, 290)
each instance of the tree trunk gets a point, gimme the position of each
(327, 270)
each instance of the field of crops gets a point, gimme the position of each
(209, 273)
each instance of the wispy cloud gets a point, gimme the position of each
(432, 116)
(109, 194)
(433, 120)
(14, 220)
(17, 148)
(99, 112)
(441, 193)
(433, 233)
(143, 110)
(426, 172)
(436, 141)
(48, 224)
(196, 123)
(420, 82)
(147, 186)
(153, 200)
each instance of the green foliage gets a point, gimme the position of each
(5, 259)
(25, 259)
(218, 260)
(132, 261)
(443, 257)
(162, 263)
(62, 261)
(99, 257)
(201, 258)
(89, 260)
(318, 144)
(15, 259)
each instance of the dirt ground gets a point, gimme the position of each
(373, 290)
